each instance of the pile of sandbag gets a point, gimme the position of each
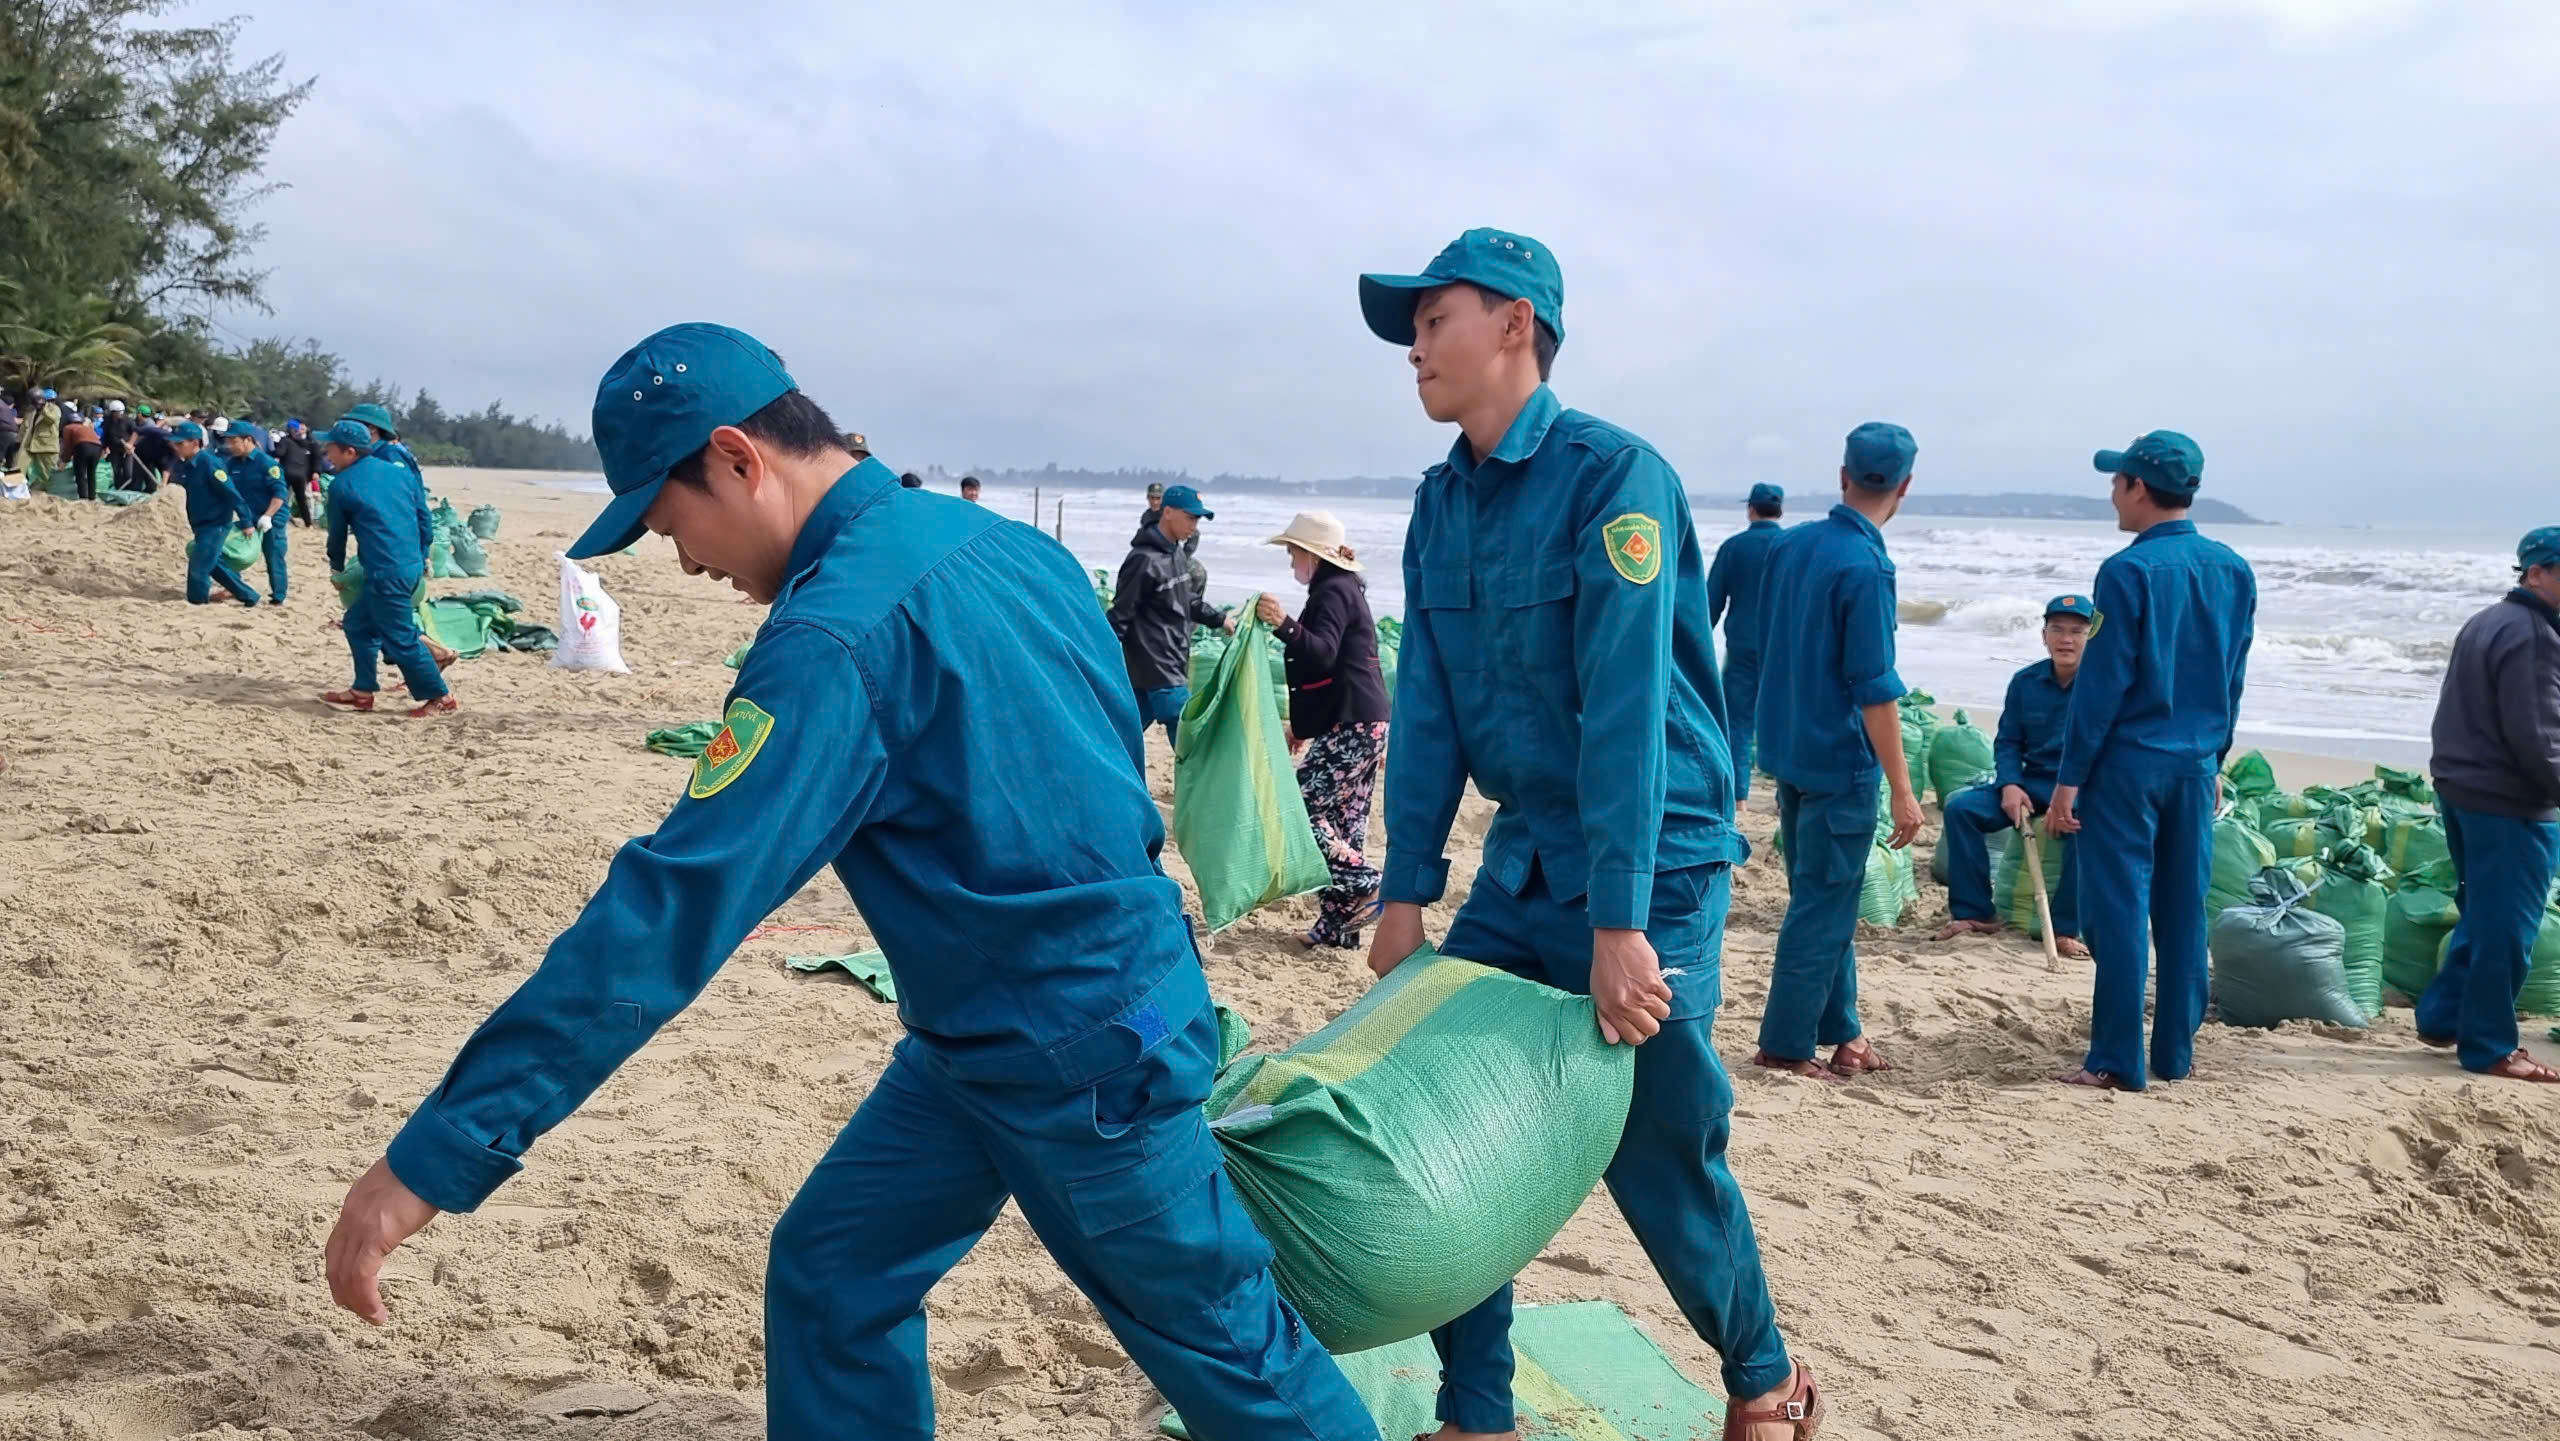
(1960, 756)
(2275, 959)
(456, 549)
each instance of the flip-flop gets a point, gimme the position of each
(1810, 1070)
(1803, 1410)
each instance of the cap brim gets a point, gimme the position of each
(619, 526)
(2110, 461)
(1386, 302)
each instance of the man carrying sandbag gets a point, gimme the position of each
(1733, 596)
(2497, 775)
(1557, 653)
(382, 506)
(2027, 755)
(1155, 603)
(2150, 721)
(1060, 1041)
(213, 508)
(259, 479)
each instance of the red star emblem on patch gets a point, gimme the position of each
(722, 750)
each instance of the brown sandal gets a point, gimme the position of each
(1803, 1410)
(1865, 1058)
(1810, 1070)
(2519, 1065)
(355, 700)
(2094, 1080)
(442, 705)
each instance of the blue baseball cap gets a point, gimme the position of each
(1879, 455)
(294, 424)
(1183, 498)
(2163, 458)
(2539, 547)
(187, 430)
(2079, 605)
(1512, 266)
(659, 403)
(349, 433)
(1765, 495)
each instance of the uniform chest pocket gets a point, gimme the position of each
(1537, 614)
(1448, 604)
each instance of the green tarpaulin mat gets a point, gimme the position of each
(688, 740)
(1412, 1156)
(458, 626)
(1238, 817)
(1586, 1373)
(869, 968)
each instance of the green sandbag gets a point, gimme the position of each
(2013, 890)
(2275, 959)
(349, 584)
(2420, 914)
(2349, 885)
(2294, 837)
(2264, 811)
(2250, 777)
(241, 550)
(1390, 641)
(2413, 842)
(2408, 785)
(1238, 817)
(1959, 756)
(1102, 591)
(1410, 1158)
(688, 740)
(2239, 853)
(443, 516)
(1919, 726)
(440, 564)
(2540, 994)
(1887, 890)
(484, 522)
(468, 557)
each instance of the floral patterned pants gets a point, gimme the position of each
(1339, 778)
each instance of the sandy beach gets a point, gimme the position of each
(243, 935)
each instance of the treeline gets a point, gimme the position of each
(274, 381)
(1057, 477)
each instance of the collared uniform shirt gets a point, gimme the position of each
(1733, 586)
(1557, 653)
(936, 709)
(259, 477)
(385, 509)
(211, 500)
(2029, 746)
(1826, 652)
(2160, 682)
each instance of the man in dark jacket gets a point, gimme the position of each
(1154, 512)
(300, 458)
(2497, 774)
(1154, 606)
(117, 432)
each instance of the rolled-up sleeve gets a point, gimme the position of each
(1866, 601)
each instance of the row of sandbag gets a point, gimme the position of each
(458, 549)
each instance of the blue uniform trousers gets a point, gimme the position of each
(2145, 857)
(1669, 1178)
(1164, 705)
(2503, 868)
(273, 543)
(1971, 816)
(1122, 1182)
(383, 624)
(205, 566)
(1813, 978)
(1741, 703)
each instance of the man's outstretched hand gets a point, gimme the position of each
(378, 1214)
(1398, 935)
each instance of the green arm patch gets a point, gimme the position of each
(742, 734)
(1634, 542)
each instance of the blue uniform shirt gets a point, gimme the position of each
(2029, 747)
(1826, 651)
(210, 498)
(1733, 586)
(1557, 652)
(400, 455)
(258, 479)
(936, 708)
(2160, 682)
(386, 509)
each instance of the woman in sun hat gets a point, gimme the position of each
(1338, 707)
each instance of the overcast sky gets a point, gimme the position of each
(2322, 236)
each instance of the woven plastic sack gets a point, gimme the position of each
(1237, 815)
(2250, 778)
(1959, 755)
(2413, 841)
(2275, 959)
(2013, 888)
(2349, 885)
(1208, 647)
(2239, 853)
(2293, 837)
(1888, 889)
(1919, 725)
(1411, 1157)
(2419, 915)
(484, 523)
(2266, 810)
(241, 550)
(468, 557)
(2408, 785)
(440, 562)
(1390, 641)
(590, 623)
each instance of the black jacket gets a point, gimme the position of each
(2497, 730)
(1332, 648)
(1154, 604)
(296, 455)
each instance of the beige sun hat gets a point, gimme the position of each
(1318, 534)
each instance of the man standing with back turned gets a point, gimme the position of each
(1733, 596)
(1557, 653)
(2150, 720)
(1060, 1042)
(2497, 773)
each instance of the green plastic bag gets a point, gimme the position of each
(1959, 755)
(2275, 959)
(2250, 777)
(2420, 914)
(2294, 837)
(484, 523)
(1410, 1158)
(2349, 885)
(2239, 853)
(240, 550)
(459, 626)
(738, 657)
(1208, 647)
(1237, 815)
(2266, 810)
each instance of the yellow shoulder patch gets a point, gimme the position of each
(1634, 543)
(742, 734)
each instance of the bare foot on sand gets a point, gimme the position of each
(1810, 1069)
(2098, 1080)
(2071, 948)
(1957, 930)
